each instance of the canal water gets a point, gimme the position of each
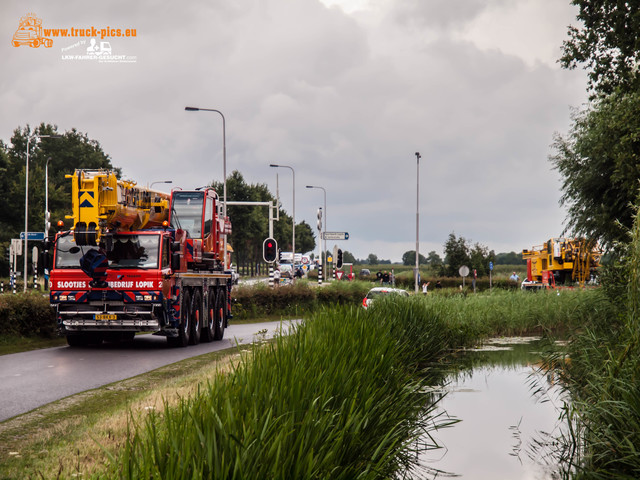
(508, 411)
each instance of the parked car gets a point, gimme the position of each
(365, 272)
(380, 292)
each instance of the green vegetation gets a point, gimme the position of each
(341, 398)
(601, 374)
(300, 299)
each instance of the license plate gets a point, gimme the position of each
(105, 317)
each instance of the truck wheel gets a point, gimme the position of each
(209, 330)
(184, 329)
(196, 318)
(219, 315)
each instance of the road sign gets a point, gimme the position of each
(16, 246)
(32, 236)
(463, 271)
(490, 266)
(335, 236)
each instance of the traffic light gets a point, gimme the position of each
(339, 260)
(270, 250)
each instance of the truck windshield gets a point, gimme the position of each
(186, 212)
(129, 251)
(134, 251)
(66, 254)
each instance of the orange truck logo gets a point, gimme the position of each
(30, 33)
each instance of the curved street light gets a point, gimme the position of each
(224, 169)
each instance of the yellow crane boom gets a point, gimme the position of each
(102, 203)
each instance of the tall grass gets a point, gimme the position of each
(342, 396)
(603, 378)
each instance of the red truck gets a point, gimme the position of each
(124, 269)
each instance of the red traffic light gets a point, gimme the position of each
(270, 250)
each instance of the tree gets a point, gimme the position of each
(348, 257)
(599, 164)
(511, 258)
(409, 258)
(607, 44)
(479, 259)
(456, 252)
(372, 259)
(434, 259)
(74, 150)
(305, 239)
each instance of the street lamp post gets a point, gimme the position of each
(26, 201)
(160, 181)
(224, 170)
(324, 230)
(417, 270)
(293, 236)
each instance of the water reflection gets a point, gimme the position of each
(509, 408)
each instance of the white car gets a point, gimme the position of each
(382, 291)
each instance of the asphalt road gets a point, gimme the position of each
(29, 380)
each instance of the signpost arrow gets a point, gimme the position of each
(335, 236)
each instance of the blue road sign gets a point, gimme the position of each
(32, 236)
(490, 266)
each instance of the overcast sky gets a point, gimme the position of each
(345, 92)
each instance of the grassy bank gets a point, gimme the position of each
(342, 398)
(603, 378)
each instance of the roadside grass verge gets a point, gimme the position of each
(68, 438)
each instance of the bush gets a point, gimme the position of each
(297, 299)
(27, 315)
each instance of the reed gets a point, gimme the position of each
(603, 378)
(342, 396)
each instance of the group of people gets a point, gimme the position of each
(386, 278)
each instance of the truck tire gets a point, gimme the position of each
(220, 314)
(209, 330)
(196, 318)
(184, 329)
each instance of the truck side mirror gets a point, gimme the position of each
(175, 261)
